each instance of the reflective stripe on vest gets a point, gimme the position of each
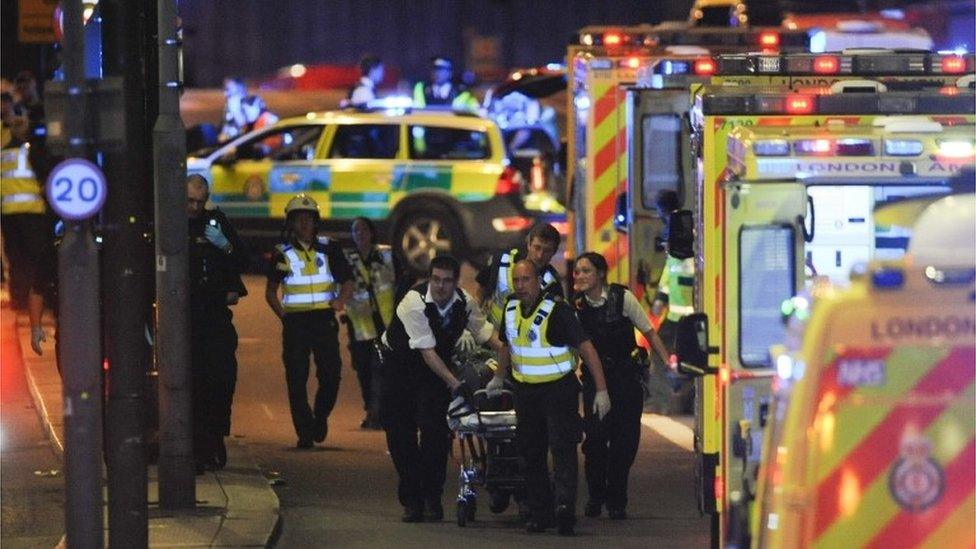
(506, 285)
(534, 359)
(360, 309)
(19, 190)
(308, 287)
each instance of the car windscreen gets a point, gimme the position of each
(438, 143)
(372, 141)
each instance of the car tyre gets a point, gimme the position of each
(422, 234)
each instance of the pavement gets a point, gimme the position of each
(236, 506)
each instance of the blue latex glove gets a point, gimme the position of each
(216, 237)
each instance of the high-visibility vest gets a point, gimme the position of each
(458, 100)
(20, 193)
(505, 285)
(309, 284)
(678, 282)
(378, 279)
(534, 359)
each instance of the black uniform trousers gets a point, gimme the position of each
(313, 333)
(363, 355)
(611, 445)
(548, 421)
(27, 241)
(213, 347)
(413, 398)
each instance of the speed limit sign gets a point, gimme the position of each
(76, 189)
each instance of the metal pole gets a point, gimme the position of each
(79, 328)
(177, 484)
(127, 264)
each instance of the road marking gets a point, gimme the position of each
(267, 411)
(678, 433)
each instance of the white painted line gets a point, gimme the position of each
(680, 434)
(267, 411)
(45, 415)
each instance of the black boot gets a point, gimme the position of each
(413, 513)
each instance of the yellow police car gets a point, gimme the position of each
(433, 181)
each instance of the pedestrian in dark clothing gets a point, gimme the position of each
(541, 333)
(316, 283)
(417, 383)
(217, 258)
(610, 313)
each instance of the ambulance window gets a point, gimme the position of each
(766, 279)
(661, 157)
(366, 141)
(278, 144)
(433, 143)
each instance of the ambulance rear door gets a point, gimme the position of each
(658, 137)
(762, 243)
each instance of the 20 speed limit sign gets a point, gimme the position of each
(76, 189)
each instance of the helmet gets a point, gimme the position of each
(302, 203)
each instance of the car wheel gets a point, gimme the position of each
(422, 235)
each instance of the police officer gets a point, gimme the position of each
(541, 332)
(676, 286)
(316, 282)
(417, 383)
(217, 258)
(495, 280)
(26, 229)
(610, 313)
(441, 90)
(370, 309)
(372, 71)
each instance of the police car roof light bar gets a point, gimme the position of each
(922, 103)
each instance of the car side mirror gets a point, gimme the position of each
(691, 345)
(681, 234)
(621, 217)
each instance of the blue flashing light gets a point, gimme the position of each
(888, 278)
(582, 102)
(818, 41)
(393, 102)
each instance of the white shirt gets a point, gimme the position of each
(411, 312)
(364, 92)
(441, 91)
(632, 309)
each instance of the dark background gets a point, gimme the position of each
(254, 38)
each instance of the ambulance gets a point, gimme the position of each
(794, 198)
(871, 434)
(602, 65)
(664, 141)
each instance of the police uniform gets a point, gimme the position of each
(368, 313)
(611, 444)
(497, 279)
(213, 344)
(413, 397)
(27, 231)
(310, 277)
(541, 337)
(447, 94)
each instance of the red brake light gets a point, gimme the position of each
(953, 64)
(799, 104)
(704, 66)
(769, 40)
(509, 182)
(826, 64)
(612, 39)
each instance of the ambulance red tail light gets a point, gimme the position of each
(704, 66)
(769, 40)
(826, 64)
(511, 224)
(799, 104)
(953, 64)
(509, 182)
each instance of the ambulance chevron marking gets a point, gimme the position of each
(604, 105)
(947, 379)
(909, 529)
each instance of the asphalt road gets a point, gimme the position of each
(343, 493)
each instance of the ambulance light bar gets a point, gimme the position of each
(859, 64)
(771, 147)
(722, 103)
(647, 36)
(956, 149)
